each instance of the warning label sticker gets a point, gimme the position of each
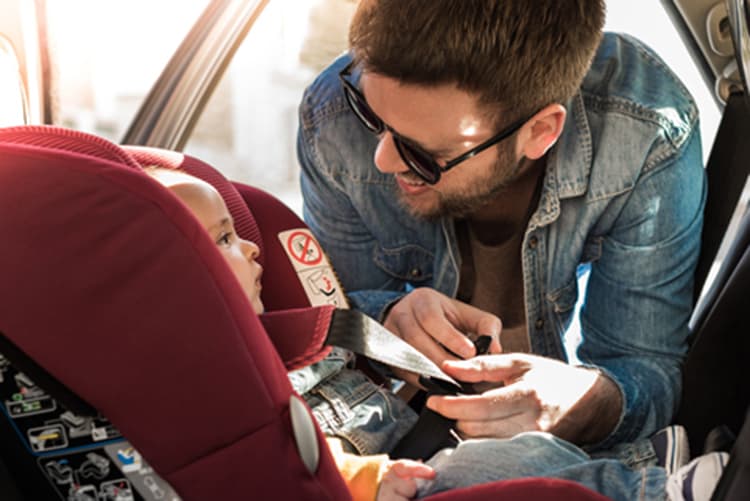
(313, 269)
(303, 248)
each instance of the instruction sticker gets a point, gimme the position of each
(313, 269)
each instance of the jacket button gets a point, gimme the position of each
(533, 242)
(415, 272)
(539, 323)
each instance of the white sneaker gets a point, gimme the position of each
(671, 447)
(697, 480)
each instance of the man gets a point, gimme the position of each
(467, 160)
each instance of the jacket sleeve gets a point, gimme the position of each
(362, 474)
(634, 321)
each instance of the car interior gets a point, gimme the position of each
(80, 421)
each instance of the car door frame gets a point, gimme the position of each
(169, 113)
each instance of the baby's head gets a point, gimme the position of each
(209, 208)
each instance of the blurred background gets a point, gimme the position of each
(111, 52)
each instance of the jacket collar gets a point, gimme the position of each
(568, 164)
(571, 160)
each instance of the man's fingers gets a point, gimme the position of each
(500, 428)
(438, 325)
(491, 368)
(432, 318)
(408, 328)
(490, 325)
(472, 319)
(499, 403)
(501, 412)
(495, 346)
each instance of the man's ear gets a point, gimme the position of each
(541, 131)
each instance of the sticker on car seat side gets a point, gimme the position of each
(313, 268)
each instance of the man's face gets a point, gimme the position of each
(445, 122)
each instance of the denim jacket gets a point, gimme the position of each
(622, 198)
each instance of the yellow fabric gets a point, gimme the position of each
(362, 474)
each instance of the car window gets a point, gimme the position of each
(108, 54)
(648, 21)
(12, 97)
(249, 126)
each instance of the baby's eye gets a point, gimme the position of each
(224, 239)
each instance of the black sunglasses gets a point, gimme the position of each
(416, 159)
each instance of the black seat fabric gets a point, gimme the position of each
(717, 371)
(727, 169)
(734, 484)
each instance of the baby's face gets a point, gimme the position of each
(209, 208)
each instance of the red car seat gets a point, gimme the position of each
(110, 285)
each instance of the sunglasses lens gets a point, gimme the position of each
(419, 162)
(363, 111)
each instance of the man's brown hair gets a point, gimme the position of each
(516, 55)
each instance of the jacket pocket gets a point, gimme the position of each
(592, 249)
(410, 263)
(563, 302)
(564, 298)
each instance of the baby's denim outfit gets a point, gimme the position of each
(368, 418)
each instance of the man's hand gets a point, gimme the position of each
(538, 394)
(432, 322)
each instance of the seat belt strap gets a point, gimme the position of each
(361, 334)
(301, 337)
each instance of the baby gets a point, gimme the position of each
(368, 477)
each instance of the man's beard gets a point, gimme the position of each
(473, 197)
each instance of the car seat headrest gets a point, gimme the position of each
(49, 139)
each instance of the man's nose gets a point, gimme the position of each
(387, 158)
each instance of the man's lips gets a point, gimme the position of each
(411, 185)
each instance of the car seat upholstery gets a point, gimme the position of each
(111, 285)
(110, 270)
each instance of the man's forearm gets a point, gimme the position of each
(594, 416)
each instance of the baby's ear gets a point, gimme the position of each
(541, 131)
